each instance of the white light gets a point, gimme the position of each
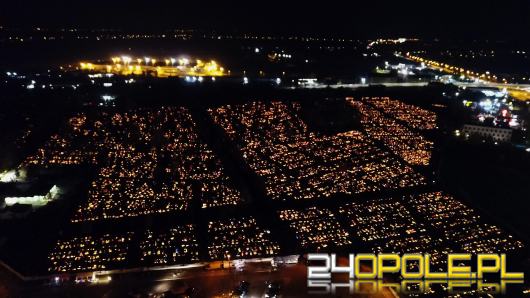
(147, 59)
(126, 59)
(184, 61)
(200, 79)
(34, 200)
(245, 80)
(107, 84)
(278, 81)
(256, 50)
(404, 71)
(363, 81)
(108, 97)
(9, 176)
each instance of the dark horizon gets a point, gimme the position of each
(454, 19)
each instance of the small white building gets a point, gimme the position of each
(498, 134)
(35, 201)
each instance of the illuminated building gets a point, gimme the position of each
(498, 134)
(162, 68)
(35, 201)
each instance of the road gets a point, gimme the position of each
(517, 91)
(209, 283)
(525, 87)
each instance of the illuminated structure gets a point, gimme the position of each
(35, 201)
(169, 67)
(498, 134)
(13, 176)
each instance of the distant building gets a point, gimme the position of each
(498, 134)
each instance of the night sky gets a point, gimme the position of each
(507, 19)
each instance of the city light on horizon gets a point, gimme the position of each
(151, 67)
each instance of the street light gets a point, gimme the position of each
(126, 59)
